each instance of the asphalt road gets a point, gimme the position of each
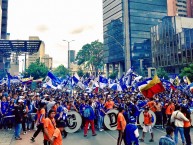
(102, 138)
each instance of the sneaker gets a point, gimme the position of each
(25, 132)
(94, 134)
(32, 139)
(101, 129)
(85, 135)
(142, 140)
(151, 140)
(18, 138)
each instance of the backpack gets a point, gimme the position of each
(86, 113)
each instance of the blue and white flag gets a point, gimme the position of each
(86, 83)
(143, 83)
(52, 81)
(115, 87)
(122, 83)
(9, 77)
(55, 79)
(102, 82)
(74, 81)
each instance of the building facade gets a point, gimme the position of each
(126, 31)
(48, 61)
(4, 19)
(39, 55)
(182, 8)
(172, 43)
(72, 56)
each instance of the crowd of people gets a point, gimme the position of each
(45, 110)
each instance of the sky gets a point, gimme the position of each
(54, 21)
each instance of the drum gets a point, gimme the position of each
(74, 121)
(110, 119)
(191, 115)
(141, 118)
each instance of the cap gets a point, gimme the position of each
(132, 119)
(20, 100)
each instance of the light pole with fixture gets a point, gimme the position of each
(69, 52)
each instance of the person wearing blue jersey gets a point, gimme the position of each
(100, 112)
(131, 132)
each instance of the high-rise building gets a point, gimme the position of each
(190, 8)
(4, 5)
(183, 8)
(47, 60)
(126, 30)
(172, 43)
(33, 57)
(72, 56)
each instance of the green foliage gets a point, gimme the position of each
(61, 71)
(36, 70)
(92, 55)
(80, 72)
(188, 71)
(113, 75)
(162, 73)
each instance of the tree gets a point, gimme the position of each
(91, 55)
(188, 71)
(36, 70)
(61, 71)
(80, 72)
(162, 73)
(113, 75)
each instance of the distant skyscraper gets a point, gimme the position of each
(4, 19)
(72, 56)
(126, 30)
(38, 55)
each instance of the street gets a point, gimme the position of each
(102, 138)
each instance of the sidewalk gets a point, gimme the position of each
(6, 136)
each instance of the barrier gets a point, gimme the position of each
(141, 118)
(74, 121)
(110, 119)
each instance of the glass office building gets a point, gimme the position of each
(126, 25)
(172, 43)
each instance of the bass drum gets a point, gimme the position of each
(141, 118)
(191, 115)
(110, 119)
(74, 121)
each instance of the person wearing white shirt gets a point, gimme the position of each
(178, 118)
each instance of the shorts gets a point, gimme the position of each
(147, 128)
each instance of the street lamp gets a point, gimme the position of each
(69, 52)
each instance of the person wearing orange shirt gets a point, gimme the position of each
(57, 136)
(121, 124)
(187, 125)
(169, 110)
(147, 125)
(49, 127)
(109, 104)
(151, 105)
(41, 113)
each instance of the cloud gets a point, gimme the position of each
(81, 29)
(42, 28)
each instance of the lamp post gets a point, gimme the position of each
(69, 52)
